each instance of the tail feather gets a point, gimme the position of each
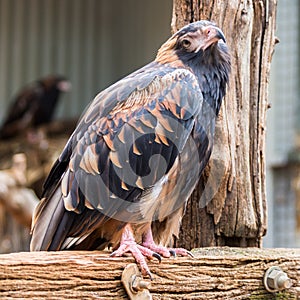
(46, 220)
(56, 228)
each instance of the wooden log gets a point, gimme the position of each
(214, 273)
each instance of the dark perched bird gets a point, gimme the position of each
(125, 175)
(34, 105)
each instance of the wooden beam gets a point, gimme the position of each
(215, 273)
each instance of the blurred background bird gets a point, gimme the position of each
(34, 106)
(127, 171)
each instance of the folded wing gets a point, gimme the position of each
(125, 152)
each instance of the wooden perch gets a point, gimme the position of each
(215, 273)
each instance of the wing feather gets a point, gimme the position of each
(147, 121)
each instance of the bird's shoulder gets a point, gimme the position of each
(154, 99)
(140, 88)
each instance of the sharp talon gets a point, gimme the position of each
(113, 254)
(190, 254)
(156, 255)
(150, 275)
(172, 252)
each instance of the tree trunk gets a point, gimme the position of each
(215, 273)
(228, 206)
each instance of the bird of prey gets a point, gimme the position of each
(128, 169)
(34, 105)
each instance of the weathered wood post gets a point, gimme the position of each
(215, 273)
(233, 212)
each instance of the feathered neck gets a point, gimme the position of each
(212, 68)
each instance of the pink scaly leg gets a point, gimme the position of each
(149, 243)
(128, 244)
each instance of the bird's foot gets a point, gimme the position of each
(149, 243)
(166, 252)
(181, 251)
(139, 252)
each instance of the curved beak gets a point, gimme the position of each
(213, 35)
(220, 35)
(64, 85)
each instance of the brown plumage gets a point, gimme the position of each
(137, 153)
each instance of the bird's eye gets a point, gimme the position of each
(185, 43)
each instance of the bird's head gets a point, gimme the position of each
(56, 81)
(192, 42)
(200, 47)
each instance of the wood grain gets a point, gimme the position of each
(214, 273)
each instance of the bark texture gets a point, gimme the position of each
(215, 273)
(233, 212)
